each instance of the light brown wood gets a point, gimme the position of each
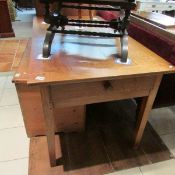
(70, 118)
(72, 77)
(67, 119)
(66, 67)
(11, 54)
(145, 108)
(95, 92)
(19, 54)
(49, 122)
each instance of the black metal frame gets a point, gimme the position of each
(58, 22)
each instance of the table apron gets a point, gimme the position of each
(101, 91)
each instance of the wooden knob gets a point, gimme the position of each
(107, 85)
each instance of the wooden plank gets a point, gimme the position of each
(67, 119)
(39, 160)
(106, 146)
(11, 53)
(81, 151)
(22, 70)
(19, 54)
(145, 108)
(49, 122)
(116, 128)
(94, 92)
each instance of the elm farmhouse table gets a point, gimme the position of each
(79, 72)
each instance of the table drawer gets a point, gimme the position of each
(148, 6)
(155, 6)
(100, 91)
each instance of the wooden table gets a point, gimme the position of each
(68, 79)
(158, 19)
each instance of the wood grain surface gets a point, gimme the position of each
(11, 53)
(75, 63)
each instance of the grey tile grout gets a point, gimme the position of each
(2, 129)
(3, 89)
(140, 170)
(5, 161)
(1, 106)
(10, 105)
(168, 133)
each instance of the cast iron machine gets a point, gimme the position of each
(57, 22)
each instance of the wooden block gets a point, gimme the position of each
(39, 160)
(101, 91)
(66, 119)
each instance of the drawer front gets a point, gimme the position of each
(169, 7)
(101, 91)
(148, 6)
(155, 6)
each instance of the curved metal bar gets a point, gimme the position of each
(124, 47)
(47, 43)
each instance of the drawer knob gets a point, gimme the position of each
(107, 85)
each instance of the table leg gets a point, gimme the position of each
(49, 122)
(145, 108)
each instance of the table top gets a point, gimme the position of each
(81, 59)
(158, 19)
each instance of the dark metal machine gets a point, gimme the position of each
(58, 22)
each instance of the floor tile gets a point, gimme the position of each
(9, 97)
(15, 167)
(133, 171)
(15, 144)
(2, 81)
(163, 120)
(161, 168)
(10, 116)
(8, 83)
(25, 15)
(22, 29)
(169, 140)
(172, 108)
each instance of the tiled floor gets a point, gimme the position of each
(14, 144)
(23, 24)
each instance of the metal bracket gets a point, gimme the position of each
(47, 44)
(124, 47)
